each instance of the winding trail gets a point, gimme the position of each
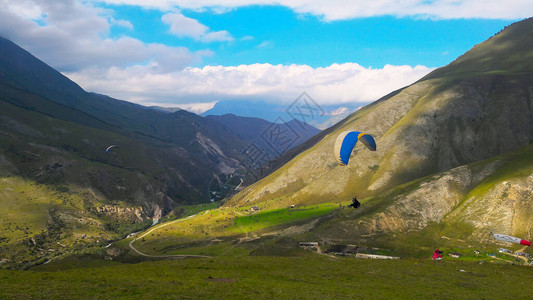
(164, 256)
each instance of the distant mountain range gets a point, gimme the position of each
(165, 109)
(323, 117)
(268, 138)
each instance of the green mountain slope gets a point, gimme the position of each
(454, 162)
(431, 126)
(206, 147)
(452, 210)
(475, 109)
(455, 208)
(61, 191)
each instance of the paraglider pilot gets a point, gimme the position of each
(355, 203)
(437, 255)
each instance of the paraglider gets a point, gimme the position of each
(346, 142)
(355, 203)
(108, 148)
(437, 255)
(512, 239)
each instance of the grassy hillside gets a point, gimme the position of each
(254, 277)
(429, 127)
(429, 134)
(61, 192)
(452, 210)
(186, 150)
(39, 223)
(53, 137)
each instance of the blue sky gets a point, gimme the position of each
(278, 35)
(193, 54)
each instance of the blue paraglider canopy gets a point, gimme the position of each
(346, 142)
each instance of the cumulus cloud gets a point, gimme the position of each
(349, 9)
(123, 23)
(183, 26)
(71, 35)
(334, 84)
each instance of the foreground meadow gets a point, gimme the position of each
(257, 277)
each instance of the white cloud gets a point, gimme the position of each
(71, 35)
(122, 23)
(183, 26)
(339, 111)
(196, 108)
(349, 9)
(335, 84)
(74, 37)
(217, 36)
(180, 25)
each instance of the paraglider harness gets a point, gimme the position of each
(355, 203)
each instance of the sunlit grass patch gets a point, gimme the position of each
(263, 219)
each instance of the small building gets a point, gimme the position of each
(309, 244)
(254, 208)
(455, 255)
(476, 252)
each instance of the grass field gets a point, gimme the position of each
(192, 235)
(310, 277)
(263, 219)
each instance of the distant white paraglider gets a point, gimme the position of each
(112, 146)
